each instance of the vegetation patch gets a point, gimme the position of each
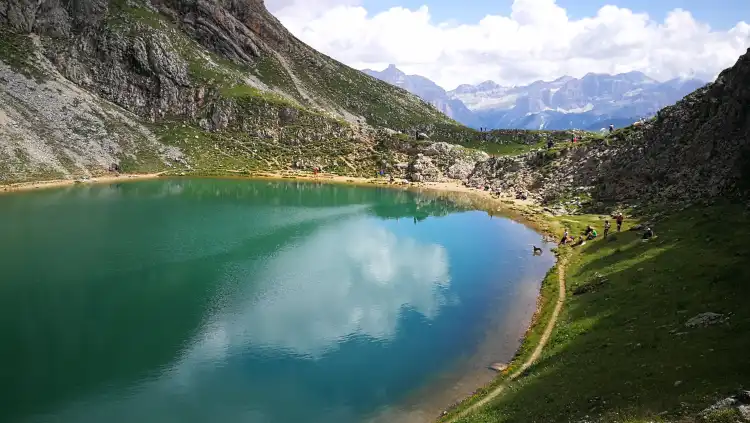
(18, 52)
(623, 352)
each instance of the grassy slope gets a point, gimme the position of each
(618, 351)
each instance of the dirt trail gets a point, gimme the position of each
(537, 351)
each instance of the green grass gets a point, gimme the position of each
(495, 149)
(17, 51)
(620, 349)
(233, 150)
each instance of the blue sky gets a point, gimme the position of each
(720, 14)
(542, 41)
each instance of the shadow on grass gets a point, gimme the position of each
(622, 352)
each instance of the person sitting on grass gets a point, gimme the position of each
(590, 233)
(648, 234)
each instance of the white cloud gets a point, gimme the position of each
(537, 41)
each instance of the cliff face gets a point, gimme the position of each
(203, 81)
(698, 149)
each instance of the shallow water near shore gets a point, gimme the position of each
(194, 300)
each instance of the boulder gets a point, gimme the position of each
(705, 319)
(422, 169)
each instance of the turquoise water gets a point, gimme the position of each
(246, 301)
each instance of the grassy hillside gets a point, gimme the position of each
(621, 351)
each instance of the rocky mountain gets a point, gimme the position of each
(189, 85)
(591, 102)
(428, 91)
(694, 151)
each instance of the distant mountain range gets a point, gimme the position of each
(591, 102)
(430, 92)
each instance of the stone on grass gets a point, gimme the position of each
(498, 367)
(705, 319)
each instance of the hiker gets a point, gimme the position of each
(607, 225)
(648, 234)
(619, 220)
(572, 139)
(550, 144)
(564, 239)
(611, 128)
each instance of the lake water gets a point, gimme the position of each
(210, 300)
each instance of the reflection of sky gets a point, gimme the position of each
(307, 301)
(346, 280)
(350, 279)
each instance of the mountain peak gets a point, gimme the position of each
(393, 71)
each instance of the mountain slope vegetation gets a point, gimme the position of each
(154, 85)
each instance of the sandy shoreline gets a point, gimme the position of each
(57, 183)
(519, 210)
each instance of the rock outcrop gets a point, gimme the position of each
(696, 150)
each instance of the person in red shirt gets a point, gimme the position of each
(619, 220)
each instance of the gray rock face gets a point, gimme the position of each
(422, 169)
(696, 150)
(452, 161)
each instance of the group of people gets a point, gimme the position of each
(590, 233)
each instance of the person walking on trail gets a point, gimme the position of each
(607, 225)
(619, 220)
(611, 128)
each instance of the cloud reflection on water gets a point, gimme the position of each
(347, 280)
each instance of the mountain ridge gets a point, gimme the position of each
(589, 102)
(428, 91)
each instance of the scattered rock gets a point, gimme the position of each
(739, 402)
(705, 319)
(498, 367)
(744, 411)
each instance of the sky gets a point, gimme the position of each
(515, 42)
